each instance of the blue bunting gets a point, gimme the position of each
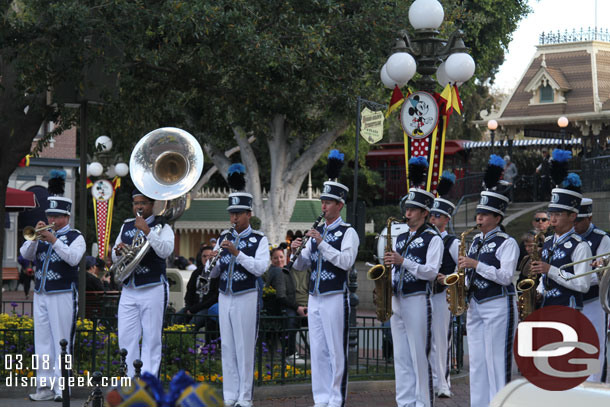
(497, 161)
(336, 155)
(237, 168)
(561, 155)
(421, 160)
(572, 180)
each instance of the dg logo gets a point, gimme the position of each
(555, 198)
(484, 200)
(411, 196)
(436, 204)
(326, 189)
(53, 204)
(234, 200)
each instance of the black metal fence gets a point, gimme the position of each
(596, 174)
(199, 352)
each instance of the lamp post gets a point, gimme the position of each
(492, 125)
(104, 165)
(563, 122)
(426, 53)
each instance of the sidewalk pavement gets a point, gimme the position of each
(360, 394)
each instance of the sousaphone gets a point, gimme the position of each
(165, 165)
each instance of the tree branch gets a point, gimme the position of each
(315, 151)
(210, 172)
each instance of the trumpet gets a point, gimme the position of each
(31, 233)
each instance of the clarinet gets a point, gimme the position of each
(203, 281)
(286, 269)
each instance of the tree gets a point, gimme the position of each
(284, 72)
(37, 53)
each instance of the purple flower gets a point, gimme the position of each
(14, 304)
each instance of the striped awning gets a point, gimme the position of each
(522, 143)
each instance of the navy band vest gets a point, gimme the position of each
(558, 255)
(447, 263)
(594, 237)
(482, 289)
(151, 269)
(326, 278)
(52, 273)
(415, 249)
(234, 278)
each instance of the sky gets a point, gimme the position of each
(547, 15)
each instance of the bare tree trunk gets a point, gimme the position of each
(288, 169)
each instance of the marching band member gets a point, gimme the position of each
(416, 261)
(145, 292)
(565, 246)
(57, 254)
(491, 263)
(599, 241)
(243, 257)
(330, 252)
(440, 356)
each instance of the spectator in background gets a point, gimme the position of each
(510, 175)
(105, 276)
(191, 264)
(541, 222)
(26, 274)
(93, 282)
(197, 308)
(544, 172)
(286, 298)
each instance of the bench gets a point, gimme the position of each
(101, 304)
(10, 273)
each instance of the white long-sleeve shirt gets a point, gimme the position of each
(71, 254)
(343, 259)
(508, 256)
(256, 265)
(161, 242)
(429, 270)
(581, 251)
(454, 248)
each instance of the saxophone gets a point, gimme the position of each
(457, 292)
(527, 286)
(382, 275)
